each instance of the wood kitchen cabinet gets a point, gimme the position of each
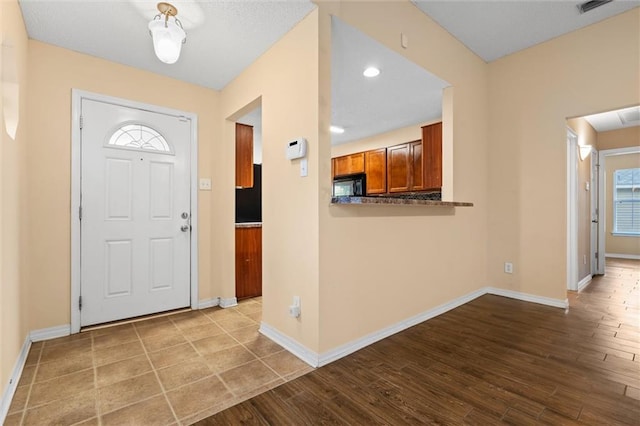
(375, 166)
(248, 262)
(244, 156)
(432, 156)
(348, 164)
(404, 167)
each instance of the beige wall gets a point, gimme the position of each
(531, 94)
(586, 136)
(616, 244)
(383, 264)
(286, 80)
(14, 214)
(53, 72)
(382, 140)
(622, 138)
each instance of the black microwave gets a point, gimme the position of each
(350, 185)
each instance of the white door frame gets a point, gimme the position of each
(604, 187)
(594, 199)
(572, 210)
(76, 105)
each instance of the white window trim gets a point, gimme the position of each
(614, 210)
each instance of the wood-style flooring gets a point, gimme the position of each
(493, 360)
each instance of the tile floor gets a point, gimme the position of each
(169, 370)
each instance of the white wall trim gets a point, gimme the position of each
(76, 109)
(318, 360)
(541, 300)
(208, 303)
(50, 333)
(228, 302)
(296, 348)
(584, 282)
(355, 345)
(16, 373)
(572, 210)
(623, 256)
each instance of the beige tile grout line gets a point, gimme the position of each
(35, 371)
(155, 372)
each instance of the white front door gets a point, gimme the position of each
(135, 212)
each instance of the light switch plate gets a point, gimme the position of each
(205, 184)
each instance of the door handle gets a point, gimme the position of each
(184, 228)
(594, 221)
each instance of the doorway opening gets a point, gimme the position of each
(248, 206)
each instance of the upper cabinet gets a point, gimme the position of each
(404, 167)
(375, 167)
(244, 156)
(348, 164)
(432, 155)
(408, 167)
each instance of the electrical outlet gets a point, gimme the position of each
(204, 184)
(508, 268)
(294, 309)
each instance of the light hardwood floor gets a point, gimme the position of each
(491, 361)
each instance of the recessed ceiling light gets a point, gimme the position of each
(371, 72)
(336, 129)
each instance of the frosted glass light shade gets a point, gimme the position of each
(167, 40)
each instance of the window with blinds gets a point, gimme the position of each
(626, 201)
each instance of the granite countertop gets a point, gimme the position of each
(249, 225)
(403, 200)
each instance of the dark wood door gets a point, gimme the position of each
(432, 153)
(244, 156)
(375, 166)
(398, 168)
(248, 262)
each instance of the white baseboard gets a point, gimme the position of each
(10, 390)
(623, 256)
(50, 333)
(299, 350)
(584, 282)
(208, 303)
(355, 345)
(318, 360)
(556, 303)
(228, 302)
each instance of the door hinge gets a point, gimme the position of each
(597, 255)
(80, 212)
(81, 122)
(80, 302)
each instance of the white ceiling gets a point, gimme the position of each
(403, 94)
(493, 29)
(613, 120)
(224, 37)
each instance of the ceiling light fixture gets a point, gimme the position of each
(371, 72)
(168, 36)
(590, 5)
(336, 129)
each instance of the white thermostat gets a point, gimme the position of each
(297, 149)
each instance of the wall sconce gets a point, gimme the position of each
(168, 36)
(585, 150)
